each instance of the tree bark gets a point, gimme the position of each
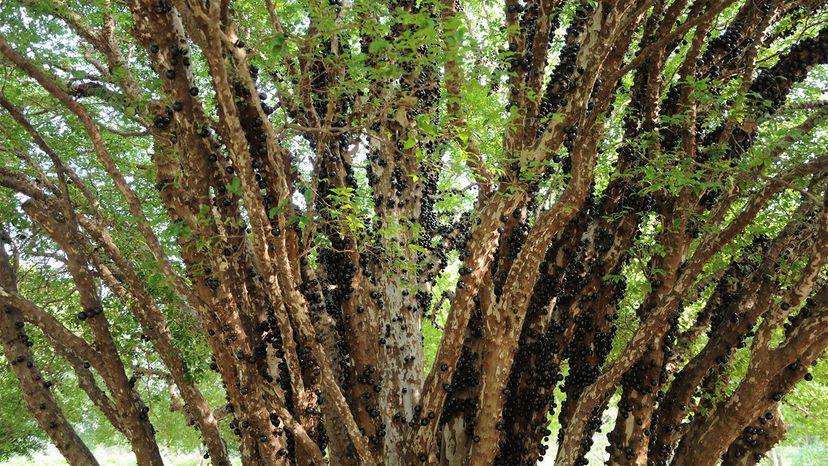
(756, 441)
(35, 389)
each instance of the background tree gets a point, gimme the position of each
(410, 232)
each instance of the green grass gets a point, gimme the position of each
(813, 454)
(108, 456)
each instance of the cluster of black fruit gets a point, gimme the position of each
(431, 224)
(21, 333)
(518, 235)
(534, 374)
(724, 304)
(272, 336)
(427, 94)
(163, 121)
(176, 56)
(331, 304)
(210, 281)
(312, 374)
(373, 178)
(428, 189)
(512, 230)
(528, 22)
(632, 198)
(319, 79)
(339, 268)
(795, 320)
(161, 7)
(253, 125)
(462, 391)
(530, 399)
(669, 342)
(671, 134)
(371, 402)
(644, 375)
(773, 84)
(564, 75)
(583, 355)
(340, 271)
(723, 48)
(592, 425)
(753, 437)
(91, 312)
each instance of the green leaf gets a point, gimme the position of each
(235, 186)
(418, 248)
(276, 44)
(378, 45)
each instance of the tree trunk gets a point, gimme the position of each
(35, 390)
(756, 441)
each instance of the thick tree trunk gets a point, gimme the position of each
(630, 439)
(313, 310)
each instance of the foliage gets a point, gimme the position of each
(377, 142)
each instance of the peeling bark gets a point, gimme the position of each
(313, 313)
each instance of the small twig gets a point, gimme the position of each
(797, 407)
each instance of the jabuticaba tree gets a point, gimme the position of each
(417, 232)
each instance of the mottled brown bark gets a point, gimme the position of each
(145, 309)
(128, 405)
(735, 305)
(756, 441)
(36, 390)
(772, 372)
(326, 351)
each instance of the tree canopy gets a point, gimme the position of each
(354, 232)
